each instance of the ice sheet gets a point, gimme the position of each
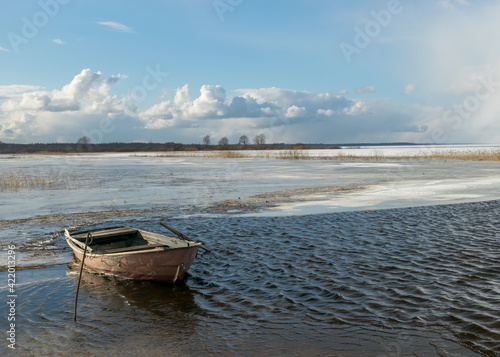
(124, 181)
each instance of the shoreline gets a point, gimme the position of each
(110, 189)
(377, 153)
(49, 249)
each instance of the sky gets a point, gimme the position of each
(309, 71)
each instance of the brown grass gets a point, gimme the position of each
(293, 154)
(228, 154)
(351, 157)
(288, 154)
(377, 155)
(31, 179)
(471, 155)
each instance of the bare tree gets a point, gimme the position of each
(243, 140)
(224, 141)
(260, 139)
(206, 140)
(83, 144)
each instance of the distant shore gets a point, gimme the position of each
(372, 152)
(75, 148)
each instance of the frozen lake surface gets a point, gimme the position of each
(91, 189)
(99, 182)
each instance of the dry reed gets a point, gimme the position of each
(471, 155)
(293, 154)
(345, 155)
(31, 179)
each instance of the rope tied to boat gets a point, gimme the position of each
(81, 268)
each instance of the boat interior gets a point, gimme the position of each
(121, 239)
(112, 238)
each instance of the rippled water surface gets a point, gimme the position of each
(402, 282)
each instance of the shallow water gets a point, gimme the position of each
(400, 282)
(110, 182)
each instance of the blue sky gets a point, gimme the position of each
(296, 70)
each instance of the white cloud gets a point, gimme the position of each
(253, 103)
(31, 113)
(116, 26)
(364, 90)
(358, 107)
(4, 49)
(87, 92)
(285, 116)
(58, 41)
(210, 103)
(408, 89)
(295, 112)
(326, 112)
(15, 89)
(182, 96)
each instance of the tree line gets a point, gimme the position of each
(84, 145)
(257, 140)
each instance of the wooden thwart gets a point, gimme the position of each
(108, 233)
(131, 249)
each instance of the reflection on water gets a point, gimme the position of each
(403, 282)
(159, 299)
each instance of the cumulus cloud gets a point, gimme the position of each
(294, 112)
(116, 26)
(212, 103)
(87, 92)
(285, 115)
(31, 113)
(58, 41)
(364, 90)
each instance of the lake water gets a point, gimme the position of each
(415, 281)
(402, 282)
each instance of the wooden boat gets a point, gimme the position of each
(134, 253)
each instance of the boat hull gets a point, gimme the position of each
(167, 266)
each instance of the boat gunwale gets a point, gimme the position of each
(75, 243)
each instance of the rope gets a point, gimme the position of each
(81, 268)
